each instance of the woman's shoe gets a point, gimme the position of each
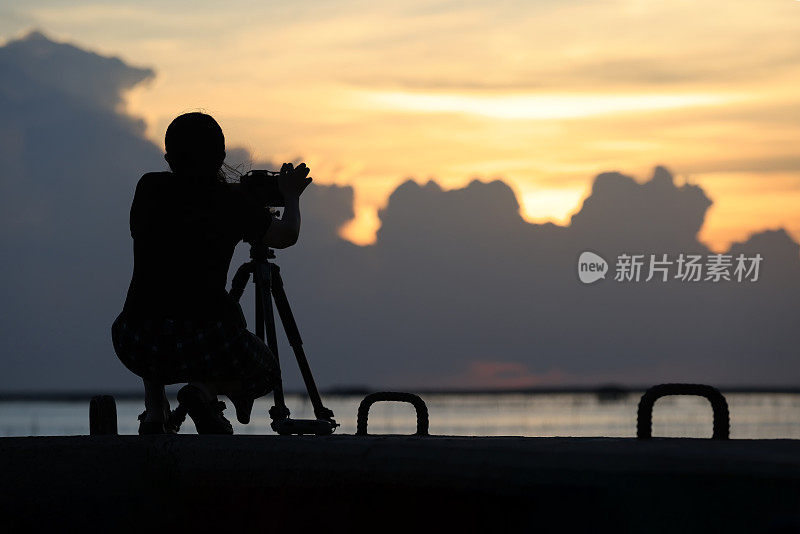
(243, 405)
(204, 411)
(176, 418)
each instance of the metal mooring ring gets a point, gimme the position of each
(644, 418)
(372, 398)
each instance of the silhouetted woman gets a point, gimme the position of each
(178, 323)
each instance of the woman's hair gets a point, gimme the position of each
(195, 145)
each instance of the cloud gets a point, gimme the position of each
(662, 69)
(37, 63)
(775, 163)
(642, 215)
(457, 277)
(498, 375)
(70, 163)
(458, 290)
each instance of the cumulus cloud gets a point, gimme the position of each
(458, 291)
(459, 286)
(69, 165)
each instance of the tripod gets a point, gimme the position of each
(269, 286)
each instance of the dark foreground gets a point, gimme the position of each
(388, 483)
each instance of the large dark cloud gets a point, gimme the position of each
(458, 290)
(69, 165)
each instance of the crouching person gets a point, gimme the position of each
(178, 324)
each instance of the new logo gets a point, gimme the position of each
(591, 267)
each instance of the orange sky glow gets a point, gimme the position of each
(542, 94)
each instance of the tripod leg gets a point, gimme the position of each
(265, 317)
(293, 334)
(263, 286)
(240, 279)
(259, 283)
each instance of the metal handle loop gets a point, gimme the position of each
(644, 418)
(415, 400)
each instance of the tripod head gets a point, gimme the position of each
(261, 253)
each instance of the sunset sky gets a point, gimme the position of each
(543, 94)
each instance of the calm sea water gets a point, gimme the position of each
(753, 416)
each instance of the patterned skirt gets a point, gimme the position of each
(171, 351)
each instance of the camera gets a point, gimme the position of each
(264, 185)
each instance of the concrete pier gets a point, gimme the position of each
(388, 483)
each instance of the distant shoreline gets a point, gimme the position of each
(605, 390)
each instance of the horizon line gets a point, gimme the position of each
(352, 391)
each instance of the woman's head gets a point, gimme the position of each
(195, 145)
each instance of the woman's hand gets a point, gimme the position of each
(293, 180)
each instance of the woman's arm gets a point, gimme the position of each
(141, 213)
(283, 232)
